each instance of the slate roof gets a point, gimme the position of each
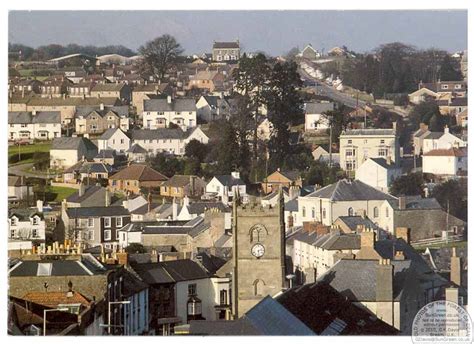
(356, 279)
(318, 305)
(158, 134)
(416, 202)
(96, 212)
(434, 135)
(269, 317)
(239, 327)
(375, 132)
(318, 108)
(292, 205)
(89, 191)
(24, 214)
(137, 149)
(176, 105)
(132, 284)
(72, 143)
(119, 110)
(109, 133)
(144, 208)
(201, 207)
(226, 45)
(383, 163)
(353, 221)
(337, 241)
(347, 190)
(112, 87)
(73, 101)
(170, 271)
(83, 267)
(140, 173)
(228, 180)
(106, 154)
(28, 117)
(178, 180)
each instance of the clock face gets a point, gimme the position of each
(258, 250)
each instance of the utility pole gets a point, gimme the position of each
(330, 143)
(447, 223)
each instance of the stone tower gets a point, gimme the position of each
(258, 254)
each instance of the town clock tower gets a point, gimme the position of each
(258, 254)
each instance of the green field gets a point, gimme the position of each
(28, 150)
(61, 192)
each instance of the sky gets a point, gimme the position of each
(274, 32)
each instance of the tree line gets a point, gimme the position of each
(396, 68)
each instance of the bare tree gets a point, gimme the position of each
(160, 54)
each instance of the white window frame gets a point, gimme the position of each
(107, 222)
(119, 222)
(89, 225)
(107, 235)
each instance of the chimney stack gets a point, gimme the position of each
(384, 291)
(175, 209)
(154, 256)
(149, 201)
(39, 205)
(168, 99)
(399, 255)
(122, 258)
(367, 238)
(102, 106)
(82, 189)
(402, 202)
(310, 275)
(455, 275)
(403, 233)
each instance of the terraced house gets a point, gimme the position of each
(93, 120)
(44, 125)
(160, 113)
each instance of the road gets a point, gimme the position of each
(329, 91)
(21, 170)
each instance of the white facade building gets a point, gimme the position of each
(114, 138)
(442, 140)
(225, 187)
(314, 118)
(445, 162)
(44, 125)
(159, 113)
(378, 173)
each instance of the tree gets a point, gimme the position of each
(192, 166)
(448, 71)
(409, 185)
(135, 248)
(338, 121)
(290, 55)
(454, 194)
(166, 164)
(320, 173)
(423, 112)
(197, 150)
(284, 107)
(160, 54)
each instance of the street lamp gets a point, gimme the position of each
(50, 310)
(109, 315)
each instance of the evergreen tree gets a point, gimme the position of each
(449, 71)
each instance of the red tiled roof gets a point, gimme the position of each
(53, 299)
(140, 173)
(447, 152)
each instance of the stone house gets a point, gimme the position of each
(135, 176)
(181, 186)
(118, 90)
(226, 51)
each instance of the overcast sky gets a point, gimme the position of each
(274, 32)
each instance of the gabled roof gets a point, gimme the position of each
(109, 133)
(347, 190)
(179, 180)
(383, 163)
(85, 266)
(353, 221)
(140, 173)
(228, 180)
(158, 134)
(368, 132)
(89, 191)
(112, 87)
(177, 105)
(95, 167)
(137, 149)
(434, 135)
(73, 143)
(201, 207)
(226, 45)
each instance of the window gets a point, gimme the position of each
(350, 212)
(304, 212)
(350, 165)
(386, 212)
(223, 297)
(324, 213)
(117, 235)
(107, 234)
(90, 222)
(34, 233)
(382, 152)
(14, 221)
(119, 222)
(349, 142)
(458, 86)
(313, 213)
(12, 233)
(192, 289)
(107, 222)
(90, 235)
(350, 152)
(382, 142)
(35, 221)
(376, 212)
(444, 87)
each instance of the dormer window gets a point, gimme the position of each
(35, 220)
(14, 221)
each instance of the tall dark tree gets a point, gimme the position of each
(161, 54)
(449, 71)
(284, 107)
(453, 194)
(409, 185)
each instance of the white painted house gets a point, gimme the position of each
(159, 113)
(378, 173)
(115, 139)
(442, 140)
(225, 187)
(445, 162)
(357, 145)
(211, 108)
(314, 118)
(27, 224)
(344, 198)
(44, 125)
(67, 151)
(166, 140)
